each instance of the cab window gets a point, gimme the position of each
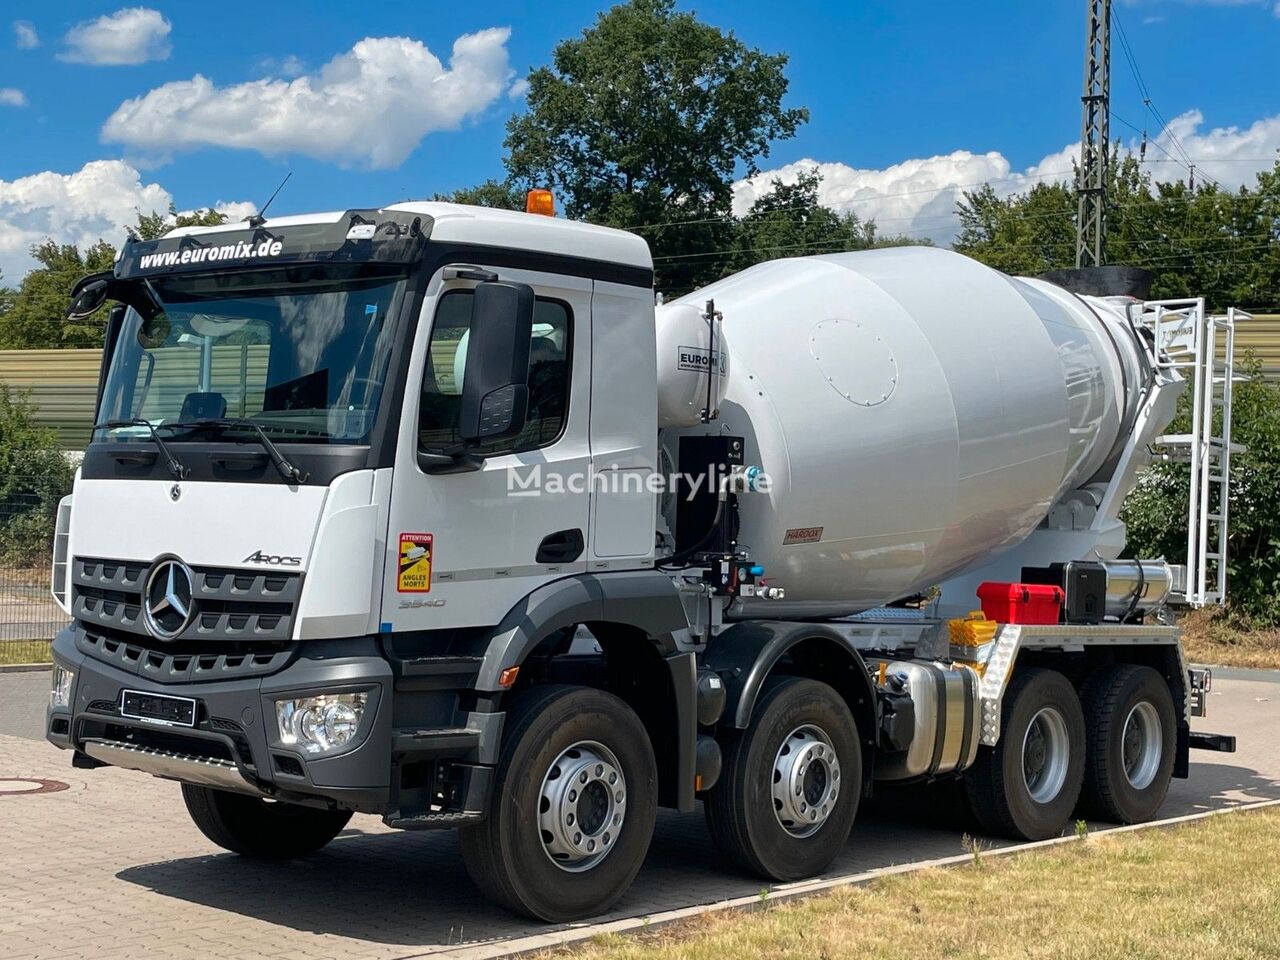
(549, 357)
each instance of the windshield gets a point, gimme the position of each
(301, 352)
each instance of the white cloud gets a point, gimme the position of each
(128, 36)
(12, 97)
(518, 89)
(24, 35)
(292, 66)
(369, 107)
(288, 66)
(236, 210)
(918, 197)
(94, 203)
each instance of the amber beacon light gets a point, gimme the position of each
(540, 201)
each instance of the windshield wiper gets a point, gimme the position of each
(283, 466)
(176, 466)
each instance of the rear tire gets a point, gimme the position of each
(1131, 731)
(1026, 786)
(262, 829)
(555, 853)
(789, 787)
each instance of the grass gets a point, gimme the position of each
(24, 651)
(1209, 638)
(1208, 889)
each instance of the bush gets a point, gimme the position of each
(1156, 510)
(34, 476)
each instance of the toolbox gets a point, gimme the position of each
(1030, 603)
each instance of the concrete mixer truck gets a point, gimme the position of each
(427, 512)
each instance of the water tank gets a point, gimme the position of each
(916, 412)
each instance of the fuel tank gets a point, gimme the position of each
(915, 411)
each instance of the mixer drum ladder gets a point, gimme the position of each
(1201, 348)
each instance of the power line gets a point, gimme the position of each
(1231, 245)
(1036, 178)
(636, 228)
(1149, 103)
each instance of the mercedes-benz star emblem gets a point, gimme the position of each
(167, 600)
(175, 493)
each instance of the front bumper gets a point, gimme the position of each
(234, 745)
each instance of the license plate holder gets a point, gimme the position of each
(159, 708)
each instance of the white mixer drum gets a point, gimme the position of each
(914, 410)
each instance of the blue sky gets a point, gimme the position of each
(911, 100)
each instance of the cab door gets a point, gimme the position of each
(463, 548)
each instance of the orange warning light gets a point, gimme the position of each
(540, 201)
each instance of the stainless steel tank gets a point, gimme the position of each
(916, 412)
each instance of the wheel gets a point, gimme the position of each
(574, 802)
(1026, 786)
(1131, 732)
(789, 787)
(262, 829)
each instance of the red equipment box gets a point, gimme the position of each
(1021, 602)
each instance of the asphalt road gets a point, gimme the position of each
(148, 884)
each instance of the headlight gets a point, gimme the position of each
(60, 686)
(321, 723)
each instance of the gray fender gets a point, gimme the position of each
(746, 654)
(644, 599)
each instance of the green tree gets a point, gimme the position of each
(645, 119)
(500, 194)
(7, 294)
(153, 225)
(34, 316)
(1220, 244)
(789, 221)
(34, 476)
(1024, 234)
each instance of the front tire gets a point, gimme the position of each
(574, 804)
(262, 829)
(789, 787)
(1026, 786)
(1132, 735)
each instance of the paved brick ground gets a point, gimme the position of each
(111, 867)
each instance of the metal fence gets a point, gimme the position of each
(29, 618)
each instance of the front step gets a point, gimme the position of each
(433, 821)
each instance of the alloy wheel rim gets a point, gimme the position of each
(1142, 745)
(582, 806)
(806, 781)
(1046, 753)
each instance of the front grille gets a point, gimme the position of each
(178, 663)
(238, 605)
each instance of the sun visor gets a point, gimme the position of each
(358, 236)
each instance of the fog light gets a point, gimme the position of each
(60, 686)
(321, 723)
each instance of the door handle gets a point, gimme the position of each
(563, 546)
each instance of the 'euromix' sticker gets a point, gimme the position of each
(414, 575)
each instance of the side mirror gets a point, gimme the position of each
(87, 299)
(495, 384)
